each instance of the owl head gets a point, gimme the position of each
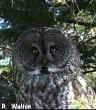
(46, 50)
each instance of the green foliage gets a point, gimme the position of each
(91, 79)
(7, 91)
(83, 103)
(4, 69)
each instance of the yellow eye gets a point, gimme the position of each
(35, 51)
(53, 49)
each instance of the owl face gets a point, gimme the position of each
(47, 70)
(46, 50)
(43, 60)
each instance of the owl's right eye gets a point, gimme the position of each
(35, 51)
(53, 49)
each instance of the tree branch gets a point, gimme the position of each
(88, 24)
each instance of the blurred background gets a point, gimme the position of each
(75, 17)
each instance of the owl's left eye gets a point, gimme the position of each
(35, 51)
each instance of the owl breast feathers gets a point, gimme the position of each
(47, 68)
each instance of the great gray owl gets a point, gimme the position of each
(47, 68)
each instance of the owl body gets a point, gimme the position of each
(47, 68)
